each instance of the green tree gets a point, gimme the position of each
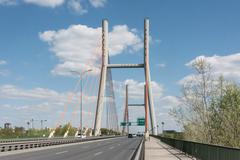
(227, 117)
(19, 131)
(61, 130)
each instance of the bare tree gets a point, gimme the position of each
(210, 109)
(197, 95)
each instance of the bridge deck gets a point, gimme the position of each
(155, 150)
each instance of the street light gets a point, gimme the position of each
(162, 127)
(32, 121)
(42, 123)
(28, 124)
(81, 78)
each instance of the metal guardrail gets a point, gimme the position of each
(30, 139)
(12, 146)
(140, 151)
(203, 151)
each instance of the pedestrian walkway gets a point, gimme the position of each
(157, 150)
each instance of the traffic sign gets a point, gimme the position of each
(126, 123)
(123, 123)
(141, 121)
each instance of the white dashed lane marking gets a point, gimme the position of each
(98, 153)
(61, 152)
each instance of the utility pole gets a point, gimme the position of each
(81, 75)
(126, 105)
(32, 121)
(162, 127)
(81, 90)
(42, 123)
(28, 124)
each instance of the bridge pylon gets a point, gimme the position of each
(103, 76)
(126, 113)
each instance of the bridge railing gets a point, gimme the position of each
(22, 145)
(203, 151)
(32, 139)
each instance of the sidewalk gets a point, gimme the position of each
(156, 150)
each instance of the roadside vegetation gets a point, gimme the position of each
(210, 108)
(105, 131)
(21, 132)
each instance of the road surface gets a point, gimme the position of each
(111, 149)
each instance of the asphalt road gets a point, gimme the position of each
(111, 149)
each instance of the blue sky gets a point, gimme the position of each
(34, 67)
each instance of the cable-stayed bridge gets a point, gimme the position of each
(113, 147)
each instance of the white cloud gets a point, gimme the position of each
(169, 122)
(18, 115)
(162, 104)
(228, 66)
(13, 92)
(188, 78)
(98, 3)
(8, 2)
(4, 72)
(161, 65)
(162, 111)
(43, 102)
(39, 107)
(79, 46)
(169, 102)
(46, 3)
(74, 5)
(121, 38)
(136, 89)
(43, 3)
(77, 7)
(2, 62)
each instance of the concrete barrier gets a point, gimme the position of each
(139, 153)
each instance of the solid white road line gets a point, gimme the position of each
(112, 147)
(98, 153)
(61, 152)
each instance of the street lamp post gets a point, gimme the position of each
(28, 124)
(42, 123)
(32, 121)
(81, 79)
(162, 127)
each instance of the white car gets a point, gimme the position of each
(81, 136)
